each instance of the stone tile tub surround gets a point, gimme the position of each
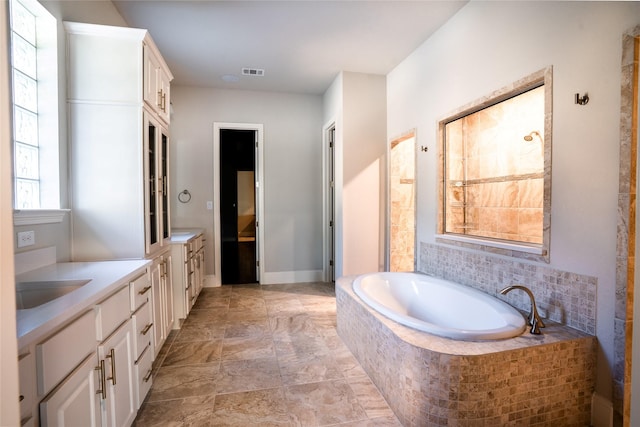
(561, 296)
(429, 380)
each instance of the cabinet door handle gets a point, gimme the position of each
(146, 329)
(21, 398)
(112, 356)
(103, 380)
(144, 290)
(148, 376)
(159, 104)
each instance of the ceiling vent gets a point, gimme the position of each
(253, 72)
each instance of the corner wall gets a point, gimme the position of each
(292, 172)
(485, 47)
(357, 103)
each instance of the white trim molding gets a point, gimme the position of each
(38, 216)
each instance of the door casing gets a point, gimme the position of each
(217, 244)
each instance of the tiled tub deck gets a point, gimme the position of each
(427, 380)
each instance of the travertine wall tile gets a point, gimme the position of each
(433, 381)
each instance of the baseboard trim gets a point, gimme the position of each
(300, 276)
(601, 411)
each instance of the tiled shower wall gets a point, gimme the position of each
(494, 176)
(562, 296)
(401, 192)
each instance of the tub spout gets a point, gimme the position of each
(534, 319)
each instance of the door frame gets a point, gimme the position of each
(410, 134)
(329, 202)
(259, 174)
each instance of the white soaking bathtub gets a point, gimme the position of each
(438, 306)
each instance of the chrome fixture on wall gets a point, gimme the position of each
(184, 196)
(529, 137)
(582, 100)
(534, 319)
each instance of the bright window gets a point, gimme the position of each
(496, 171)
(35, 106)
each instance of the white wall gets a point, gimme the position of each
(102, 12)
(9, 392)
(356, 102)
(292, 169)
(364, 172)
(488, 45)
(95, 12)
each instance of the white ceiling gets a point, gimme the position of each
(302, 45)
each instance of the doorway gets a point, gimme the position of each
(330, 203)
(401, 204)
(237, 203)
(237, 206)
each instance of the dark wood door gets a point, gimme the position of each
(238, 245)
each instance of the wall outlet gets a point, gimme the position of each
(210, 205)
(26, 238)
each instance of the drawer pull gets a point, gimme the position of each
(103, 380)
(147, 377)
(146, 329)
(144, 290)
(112, 356)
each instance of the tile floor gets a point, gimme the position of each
(253, 355)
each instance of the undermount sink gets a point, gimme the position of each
(34, 294)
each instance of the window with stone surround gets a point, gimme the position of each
(495, 171)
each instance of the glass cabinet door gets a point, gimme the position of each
(165, 223)
(152, 216)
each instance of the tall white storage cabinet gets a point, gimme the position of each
(118, 108)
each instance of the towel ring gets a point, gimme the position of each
(184, 196)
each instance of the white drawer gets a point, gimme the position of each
(140, 291)
(143, 325)
(112, 312)
(199, 242)
(27, 374)
(143, 376)
(60, 354)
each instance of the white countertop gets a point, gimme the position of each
(105, 278)
(183, 235)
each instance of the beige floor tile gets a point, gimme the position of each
(310, 369)
(175, 382)
(291, 324)
(201, 332)
(246, 375)
(251, 355)
(206, 315)
(369, 397)
(247, 327)
(193, 352)
(188, 412)
(264, 408)
(323, 403)
(212, 301)
(245, 348)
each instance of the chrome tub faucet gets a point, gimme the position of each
(534, 319)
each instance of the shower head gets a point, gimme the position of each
(529, 137)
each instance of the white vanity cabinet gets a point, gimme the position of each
(119, 142)
(142, 318)
(94, 369)
(116, 358)
(187, 248)
(76, 402)
(163, 302)
(102, 383)
(27, 377)
(157, 78)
